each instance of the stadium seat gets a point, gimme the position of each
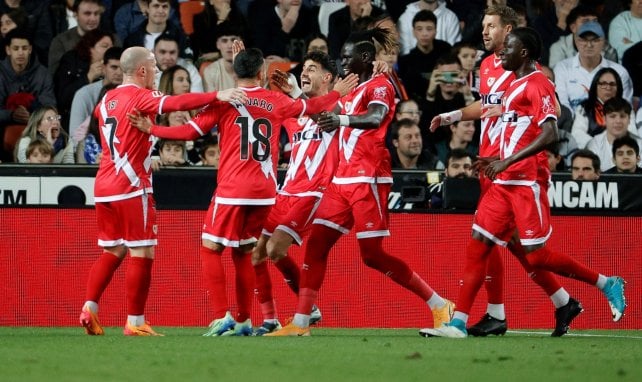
(187, 10)
(11, 136)
(325, 10)
(282, 66)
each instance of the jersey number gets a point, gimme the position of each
(260, 142)
(110, 124)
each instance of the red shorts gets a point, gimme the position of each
(506, 207)
(130, 222)
(232, 225)
(362, 205)
(292, 215)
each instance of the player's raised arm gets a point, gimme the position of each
(468, 113)
(197, 127)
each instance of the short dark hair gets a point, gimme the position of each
(77, 4)
(588, 154)
(424, 15)
(248, 63)
(327, 63)
(447, 59)
(531, 41)
(579, 11)
(19, 16)
(626, 140)
(227, 28)
(166, 37)
(507, 15)
(18, 33)
(112, 53)
(208, 142)
(617, 104)
(404, 123)
(458, 154)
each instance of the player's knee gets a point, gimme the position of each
(275, 251)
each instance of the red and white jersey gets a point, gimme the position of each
(363, 156)
(494, 82)
(125, 167)
(314, 158)
(527, 103)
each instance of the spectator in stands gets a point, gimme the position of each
(467, 54)
(555, 162)
(44, 123)
(87, 14)
(39, 151)
(459, 164)
(408, 109)
(280, 30)
(175, 80)
(80, 66)
(573, 75)
(172, 153)
(416, 66)
(62, 16)
(210, 152)
(585, 165)
(565, 47)
(342, 22)
(315, 41)
(625, 30)
(85, 99)
(12, 19)
(219, 75)
(88, 148)
(216, 14)
(551, 25)
(38, 23)
(626, 156)
(129, 18)
(589, 116)
(447, 24)
(618, 114)
(158, 25)
(461, 136)
(24, 83)
(408, 153)
(166, 53)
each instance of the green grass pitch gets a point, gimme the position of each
(66, 354)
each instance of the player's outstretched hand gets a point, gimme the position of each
(234, 95)
(494, 168)
(346, 84)
(280, 79)
(481, 163)
(140, 121)
(492, 111)
(237, 47)
(435, 123)
(328, 121)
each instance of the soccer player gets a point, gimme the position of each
(313, 161)
(125, 207)
(498, 21)
(246, 183)
(515, 198)
(359, 190)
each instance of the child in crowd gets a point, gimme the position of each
(172, 153)
(209, 153)
(39, 151)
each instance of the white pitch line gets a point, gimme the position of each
(545, 334)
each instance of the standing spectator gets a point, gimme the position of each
(129, 17)
(44, 123)
(461, 136)
(551, 25)
(408, 153)
(39, 151)
(565, 47)
(589, 115)
(38, 23)
(415, 67)
(447, 23)
(80, 66)
(219, 75)
(87, 14)
(617, 114)
(128, 195)
(573, 75)
(626, 156)
(585, 165)
(625, 30)
(216, 14)
(166, 53)
(459, 165)
(343, 20)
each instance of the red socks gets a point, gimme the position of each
(214, 276)
(137, 281)
(100, 275)
(474, 272)
(320, 242)
(290, 271)
(494, 282)
(244, 283)
(562, 265)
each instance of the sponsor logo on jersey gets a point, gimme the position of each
(492, 98)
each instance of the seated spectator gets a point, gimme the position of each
(87, 14)
(551, 24)
(44, 123)
(342, 22)
(626, 156)
(461, 137)
(447, 25)
(573, 76)
(216, 14)
(408, 109)
(175, 81)
(129, 17)
(166, 53)
(158, 25)
(625, 30)
(567, 146)
(38, 23)
(210, 153)
(315, 41)
(467, 55)
(80, 66)
(585, 165)
(416, 66)
(13, 19)
(39, 151)
(89, 149)
(565, 47)
(631, 61)
(555, 162)
(408, 153)
(172, 153)
(589, 116)
(86, 98)
(618, 114)
(219, 75)
(459, 164)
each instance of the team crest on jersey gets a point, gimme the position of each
(380, 92)
(547, 105)
(112, 104)
(157, 94)
(490, 81)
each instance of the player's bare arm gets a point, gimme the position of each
(235, 95)
(547, 136)
(468, 113)
(370, 120)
